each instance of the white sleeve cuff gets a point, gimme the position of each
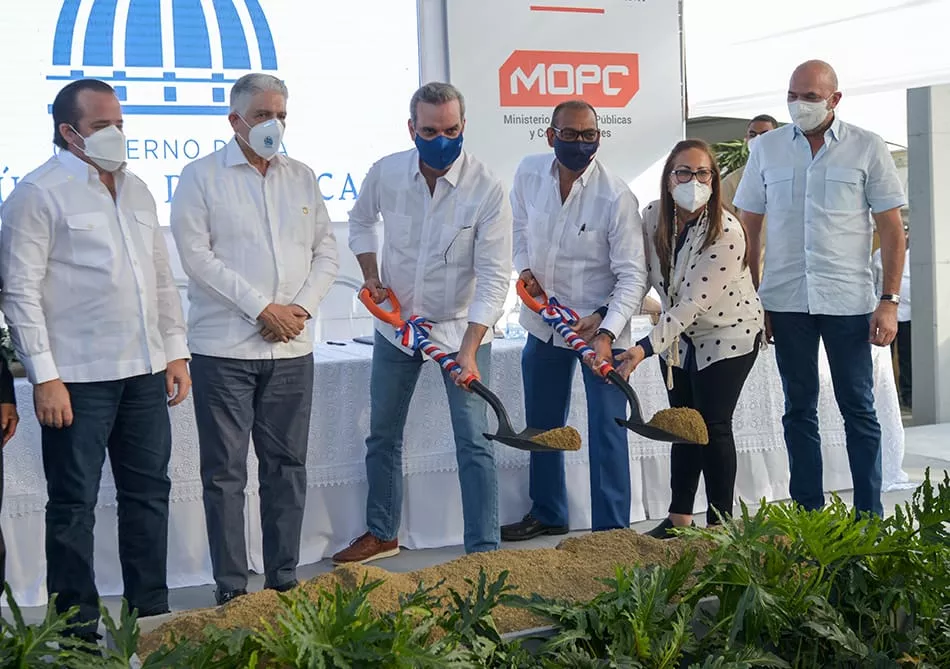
(40, 368)
(176, 348)
(252, 304)
(614, 323)
(482, 314)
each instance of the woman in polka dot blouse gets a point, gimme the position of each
(708, 335)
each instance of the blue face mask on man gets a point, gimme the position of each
(440, 151)
(575, 156)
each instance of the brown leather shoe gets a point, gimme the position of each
(366, 549)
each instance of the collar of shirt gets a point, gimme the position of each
(832, 133)
(585, 176)
(452, 176)
(234, 156)
(80, 169)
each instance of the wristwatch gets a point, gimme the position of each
(896, 299)
(608, 333)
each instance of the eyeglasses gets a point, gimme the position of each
(571, 135)
(684, 176)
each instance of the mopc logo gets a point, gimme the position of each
(545, 78)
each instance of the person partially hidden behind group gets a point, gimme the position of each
(709, 332)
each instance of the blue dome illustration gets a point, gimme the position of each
(161, 64)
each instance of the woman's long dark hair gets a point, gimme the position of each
(666, 224)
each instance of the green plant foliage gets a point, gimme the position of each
(731, 155)
(784, 587)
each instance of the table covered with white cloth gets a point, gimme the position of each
(432, 514)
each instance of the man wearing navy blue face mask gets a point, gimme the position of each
(577, 237)
(446, 255)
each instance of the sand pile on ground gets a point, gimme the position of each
(569, 571)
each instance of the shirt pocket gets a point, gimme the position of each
(844, 189)
(778, 187)
(90, 240)
(591, 244)
(147, 223)
(397, 230)
(458, 245)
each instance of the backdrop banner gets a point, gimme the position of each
(514, 60)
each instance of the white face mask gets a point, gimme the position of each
(105, 148)
(808, 115)
(692, 196)
(265, 138)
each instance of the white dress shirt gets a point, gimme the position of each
(586, 252)
(87, 288)
(716, 306)
(446, 255)
(903, 309)
(818, 259)
(247, 240)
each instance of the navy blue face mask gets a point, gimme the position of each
(440, 151)
(575, 156)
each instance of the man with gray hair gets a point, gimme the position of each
(446, 255)
(255, 240)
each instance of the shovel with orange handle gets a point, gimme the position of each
(554, 315)
(415, 335)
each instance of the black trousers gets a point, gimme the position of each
(714, 392)
(129, 419)
(905, 383)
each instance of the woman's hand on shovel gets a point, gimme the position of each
(629, 360)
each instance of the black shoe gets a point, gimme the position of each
(90, 638)
(225, 596)
(284, 587)
(662, 531)
(530, 527)
(148, 613)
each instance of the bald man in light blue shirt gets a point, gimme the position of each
(821, 181)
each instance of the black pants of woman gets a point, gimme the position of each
(714, 392)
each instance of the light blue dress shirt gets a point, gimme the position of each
(818, 256)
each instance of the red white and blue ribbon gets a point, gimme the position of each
(414, 334)
(561, 318)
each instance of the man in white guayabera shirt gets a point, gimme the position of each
(96, 319)
(578, 236)
(821, 181)
(447, 256)
(255, 240)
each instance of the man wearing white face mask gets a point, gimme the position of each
(255, 240)
(96, 319)
(821, 181)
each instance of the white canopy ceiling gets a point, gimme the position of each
(739, 54)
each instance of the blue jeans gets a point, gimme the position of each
(129, 419)
(852, 374)
(548, 372)
(392, 381)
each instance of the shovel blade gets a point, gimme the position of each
(522, 441)
(654, 433)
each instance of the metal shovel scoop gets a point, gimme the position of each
(635, 422)
(505, 433)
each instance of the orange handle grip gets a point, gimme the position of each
(392, 317)
(529, 301)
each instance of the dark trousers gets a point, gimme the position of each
(852, 374)
(269, 400)
(905, 379)
(129, 418)
(548, 372)
(714, 392)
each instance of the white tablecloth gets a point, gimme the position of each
(432, 507)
